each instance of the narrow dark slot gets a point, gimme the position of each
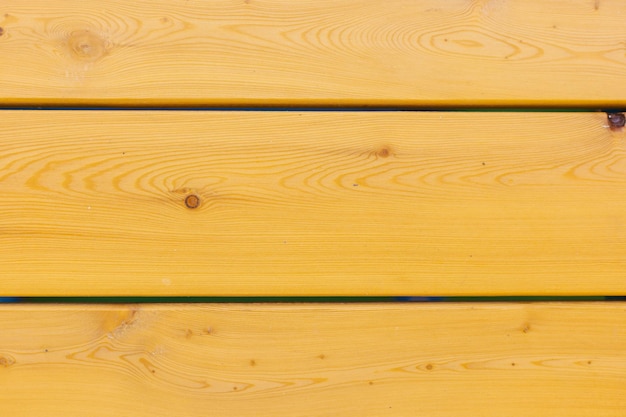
(408, 299)
(480, 109)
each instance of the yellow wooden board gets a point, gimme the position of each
(313, 52)
(552, 360)
(310, 203)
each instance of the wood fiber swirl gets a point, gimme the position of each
(313, 53)
(561, 360)
(311, 203)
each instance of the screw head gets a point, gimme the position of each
(616, 119)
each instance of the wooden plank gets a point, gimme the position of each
(313, 53)
(314, 360)
(310, 203)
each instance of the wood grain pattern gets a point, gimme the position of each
(313, 52)
(313, 360)
(310, 203)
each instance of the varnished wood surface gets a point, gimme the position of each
(313, 53)
(309, 203)
(553, 360)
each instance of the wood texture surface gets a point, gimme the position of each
(313, 53)
(288, 203)
(556, 360)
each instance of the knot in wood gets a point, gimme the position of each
(192, 201)
(86, 45)
(6, 361)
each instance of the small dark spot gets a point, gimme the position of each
(588, 362)
(355, 185)
(153, 371)
(512, 363)
(235, 388)
(1, 31)
(123, 153)
(383, 152)
(370, 383)
(192, 201)
(445, 40)
(45, 350)
(553, 26)
(252, 362)
(616, 120)
(484, 163)
(322, 356)
(429, 367)
(596, 4)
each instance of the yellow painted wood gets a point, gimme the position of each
(313, 52)
(556, 360)
(310, 203)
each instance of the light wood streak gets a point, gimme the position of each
(314, 360)
(313, 53)
(383, 203)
